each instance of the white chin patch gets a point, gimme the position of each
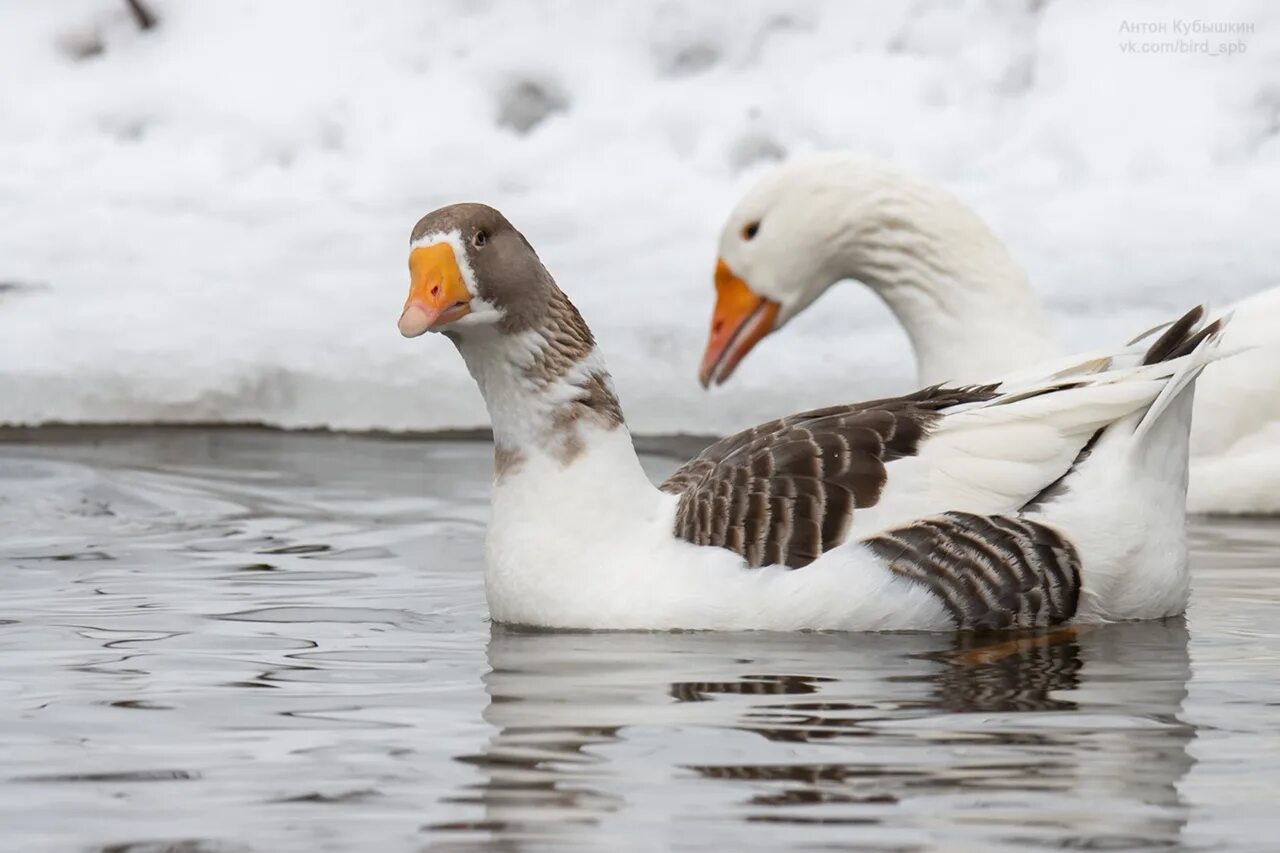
(483, 313)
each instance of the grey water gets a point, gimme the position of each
(227, 640)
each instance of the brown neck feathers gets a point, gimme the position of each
(566, 356)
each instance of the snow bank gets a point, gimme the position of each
(208, 221)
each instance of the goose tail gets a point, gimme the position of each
(1125, 504)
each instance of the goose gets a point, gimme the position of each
(996, 506)
(966, 305)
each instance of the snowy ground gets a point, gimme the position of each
(207, 221)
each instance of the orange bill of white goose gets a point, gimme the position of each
(1052, 500)
(967, 307)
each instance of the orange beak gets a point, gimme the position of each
(437, 293)
(741, 318)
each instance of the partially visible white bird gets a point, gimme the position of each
(965, 304)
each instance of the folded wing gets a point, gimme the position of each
(786, 491)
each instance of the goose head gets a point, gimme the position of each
(471, 270)
(817, 221)
(776, 256)
(475, 279)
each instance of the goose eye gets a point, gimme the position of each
(749, 230)
(479, 239)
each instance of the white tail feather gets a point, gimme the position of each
(1206, 352)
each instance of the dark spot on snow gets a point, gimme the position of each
(11, 287)
(124, 128)
(1019, 75)
(131, 131)
(142, 14)
(685, 60)
(82, 44)
(88, 41)
(525, 104)
(332, 136)
(754, 146)
(775, 26)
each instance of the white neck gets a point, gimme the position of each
(567, 480)
(551, 427)
(520, 410)
(964, 302)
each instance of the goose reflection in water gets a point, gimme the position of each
(883, 739)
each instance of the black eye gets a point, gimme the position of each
(480, 239)
(749, 230)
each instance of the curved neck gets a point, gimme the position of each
(550, 397)
(963, 300)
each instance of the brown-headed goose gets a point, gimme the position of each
(965, 304)
(993, 506)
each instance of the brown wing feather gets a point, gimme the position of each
(785, 491)
(991, 572)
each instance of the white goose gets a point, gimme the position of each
(990, 506)
(965, 304)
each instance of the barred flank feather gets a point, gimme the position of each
(991, 572)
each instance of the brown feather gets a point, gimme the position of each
(991, 572)
(785, 491)
(1172, 343)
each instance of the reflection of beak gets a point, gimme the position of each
(740, 320)
(437, 294)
